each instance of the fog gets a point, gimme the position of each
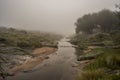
(49, 15)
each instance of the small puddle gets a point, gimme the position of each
(60, 65)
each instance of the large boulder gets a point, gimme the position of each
(89, 56)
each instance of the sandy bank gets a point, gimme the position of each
(39, 54)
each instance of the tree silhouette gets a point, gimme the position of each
(105, 20)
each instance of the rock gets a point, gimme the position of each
(46, 57)
(26, 71)
(116, 72)
(1, 78)
(89, 56)
(12, 50)
(74, 65)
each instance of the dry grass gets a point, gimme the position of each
(92, 75)
(104, 67)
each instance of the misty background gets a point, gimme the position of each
(49, 15)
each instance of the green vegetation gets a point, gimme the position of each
(101, 28)
(98, 75)
(110, 59)
(80, 40)
(97, 29)
(2, 60)
(103, 21)
(105, 67)
(21, 38)
(101, 31)
(20, 42)
(92, 75)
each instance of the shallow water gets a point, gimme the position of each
(58, 67)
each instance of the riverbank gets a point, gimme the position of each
(39, 55)
(16, 47)
(60, 66)
(105, 66)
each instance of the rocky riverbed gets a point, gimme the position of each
(17, 60)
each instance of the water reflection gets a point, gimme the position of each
(58, 67)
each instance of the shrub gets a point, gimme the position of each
(92, 75)
(82, 46)
(21, 38)
(111, 62)
(105, 67)
(99, 37)
(108, 43)
(116, 37)
(98, 74)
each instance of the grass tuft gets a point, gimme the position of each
(105, 67)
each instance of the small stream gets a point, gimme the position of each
(60, 65)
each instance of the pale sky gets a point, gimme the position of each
(49, 15)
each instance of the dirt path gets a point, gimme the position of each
(39, 54)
